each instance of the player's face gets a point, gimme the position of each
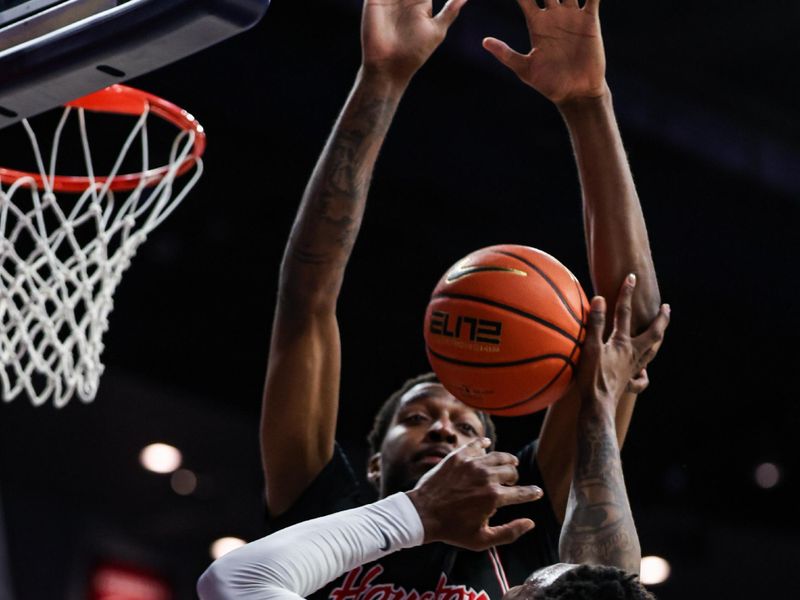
(540, 579)
(428, 424)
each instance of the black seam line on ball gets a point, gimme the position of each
(512, 363)
(579, 344)
(574, 349)
(555, 378)
(548, 280)
(583, 310)
(511, 309)
(529, 398)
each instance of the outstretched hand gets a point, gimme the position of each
(456, 498)
(398, 36)
(607, 369)
(567, 60)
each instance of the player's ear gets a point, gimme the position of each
(374, 469)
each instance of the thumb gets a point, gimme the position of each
(506, 533)
(510, 58)
(639, 383)
(449, 12)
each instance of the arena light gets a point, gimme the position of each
(224, 545)
(767, 475)
(183, 482)
(654, 570)
(160, 458)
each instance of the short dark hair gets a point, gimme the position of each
(595, 582)
(384, 416)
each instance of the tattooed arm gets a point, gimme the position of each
(301, 393)
(599, 527)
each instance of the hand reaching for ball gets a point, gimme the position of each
(608, 369)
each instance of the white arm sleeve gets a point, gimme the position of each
(297, 561)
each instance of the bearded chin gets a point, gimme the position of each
(399, 479)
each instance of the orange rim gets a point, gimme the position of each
(123, 100)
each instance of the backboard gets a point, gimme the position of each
(53, 51)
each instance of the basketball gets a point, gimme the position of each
(504, 328)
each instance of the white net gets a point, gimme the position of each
(62, 258)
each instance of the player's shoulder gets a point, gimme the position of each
(335, 488)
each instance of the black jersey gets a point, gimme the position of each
(433, 571)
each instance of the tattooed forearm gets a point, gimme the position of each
(332, 208)
(333, 205)
(599, 527)
(337, 192)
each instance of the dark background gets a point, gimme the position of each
(474, 158)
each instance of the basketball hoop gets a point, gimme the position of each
(61, 259)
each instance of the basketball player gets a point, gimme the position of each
(306, 473)
(599, 546)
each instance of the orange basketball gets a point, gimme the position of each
(504, 327)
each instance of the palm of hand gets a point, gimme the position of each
(567, 60)
(398, 36)
(606, 368)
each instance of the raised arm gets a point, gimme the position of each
(599, 527)
(302, 385)
(567, 65)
